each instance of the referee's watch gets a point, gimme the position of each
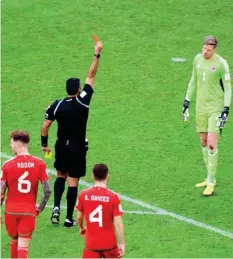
(97, 55)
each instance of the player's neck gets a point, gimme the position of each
(212, 57)
(22, 151)
(100, 184)
(71, 96)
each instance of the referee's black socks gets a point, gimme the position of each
(59, 187)
(71, 197)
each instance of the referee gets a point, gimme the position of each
(71, 114)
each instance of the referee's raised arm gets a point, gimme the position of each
(95, 63)
(71, 146)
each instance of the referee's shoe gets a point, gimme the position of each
(69, 223)
(55, 218)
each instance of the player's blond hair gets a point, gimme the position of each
(211, 40)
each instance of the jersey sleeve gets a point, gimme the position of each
(85, 96)
(117, 211)
(192, 83)
(3, 176)
(226, 79)
(50, 111)
(79, 205)
(43, 175)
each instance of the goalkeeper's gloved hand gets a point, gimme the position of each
(223, 117)
(185, 111)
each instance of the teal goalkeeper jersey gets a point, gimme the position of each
(211, 77)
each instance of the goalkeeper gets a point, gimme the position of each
(211, 77)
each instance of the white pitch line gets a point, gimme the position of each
(142, 212)
(138, 212)
(155, 208)
(178, 60)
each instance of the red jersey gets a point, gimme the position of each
(100, 206)
(22, 175)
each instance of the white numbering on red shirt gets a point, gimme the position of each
(97, 216)
(24, 186)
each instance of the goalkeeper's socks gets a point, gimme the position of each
(14, 248)
(71, 197)
(205, 156)
(59, 187)
(212, 165)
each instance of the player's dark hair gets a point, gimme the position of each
(100, 172)
(211, 40)
(20, 135)
(72, 85)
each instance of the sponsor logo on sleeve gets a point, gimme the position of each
(83, 94)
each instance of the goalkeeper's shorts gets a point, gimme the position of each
(207, 122)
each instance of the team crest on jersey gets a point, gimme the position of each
(213, 68)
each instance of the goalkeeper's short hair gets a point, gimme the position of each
(211, 40)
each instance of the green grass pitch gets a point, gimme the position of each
(134, 123)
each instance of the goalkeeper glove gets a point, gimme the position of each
(185, 111)
(223, 117)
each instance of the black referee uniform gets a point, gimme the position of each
(71, 146)
(71, 114)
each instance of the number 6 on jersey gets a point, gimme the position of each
(26, 183)
(97, 216)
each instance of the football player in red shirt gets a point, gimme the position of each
(102, 210)
(21, 176)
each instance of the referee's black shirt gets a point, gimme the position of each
(71, 114)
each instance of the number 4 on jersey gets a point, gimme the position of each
(24, 186)
(97, 216)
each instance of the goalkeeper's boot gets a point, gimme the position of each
(204, 183)
(55, 218)
(70, 223)
(209, 190)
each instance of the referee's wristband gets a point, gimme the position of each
(44, 141)
(186, 103)
(226, 109)
(97, 55)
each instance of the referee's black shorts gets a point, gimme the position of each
(70, 158)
